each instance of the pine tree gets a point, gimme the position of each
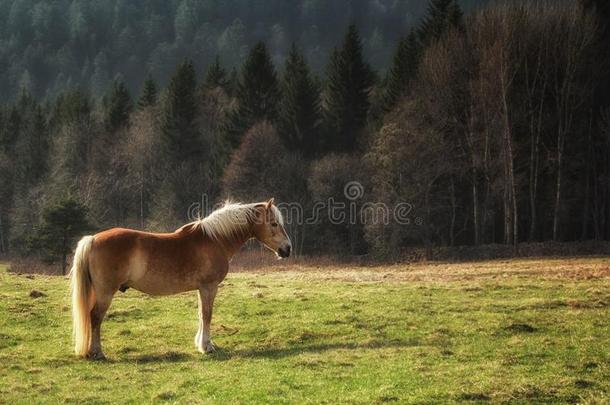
(349, 80)
(455, 16)
(71, 107)
(233, 82)
(2, 123)
(25, 101)
(10, 131)
(257, 94)
(216, 76)
(148, 96)
(62, 224)
(179, 131)
(402, 71)
(118, 107)
(35, 147)
(12, 127)
(299, 111)
(440, 17)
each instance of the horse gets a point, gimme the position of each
(194, 257)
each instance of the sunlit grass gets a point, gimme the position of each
(361, 336)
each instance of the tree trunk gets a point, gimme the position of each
(506, 204)
(534, 168)
(511, 177)
(475, 208)
(485, 207)
(588, 169)
(428, 233)
(470, 142)
(64, 253)
(453, 214)
(605, 211)
(586, 208)
(142, 204)
(2, 245)
(510, 203)
(558, 186)
(533, 185)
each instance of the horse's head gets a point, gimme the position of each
(269, 229)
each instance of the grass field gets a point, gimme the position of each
(505, 331)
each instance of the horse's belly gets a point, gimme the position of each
(166, 282)
(159, 291)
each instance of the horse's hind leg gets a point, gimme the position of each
(102, 303)
(207, 293)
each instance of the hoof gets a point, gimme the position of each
(96, 356)
(209, 348)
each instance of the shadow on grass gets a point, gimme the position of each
(167, 357)
(281, 352)
(222, 354)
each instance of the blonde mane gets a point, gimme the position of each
(231, 221)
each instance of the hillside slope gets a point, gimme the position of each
(47, 46)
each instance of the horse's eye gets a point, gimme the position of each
(274, 224)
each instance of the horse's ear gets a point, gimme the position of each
(269, 203)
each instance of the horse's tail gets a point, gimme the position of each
(82, 296)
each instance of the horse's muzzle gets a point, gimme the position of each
(284, 251)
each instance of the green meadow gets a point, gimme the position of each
(523, 331)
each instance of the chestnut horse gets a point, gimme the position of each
(194, 257)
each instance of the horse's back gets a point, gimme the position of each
(124, 235)
(155, 263)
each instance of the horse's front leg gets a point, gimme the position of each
(207, 293)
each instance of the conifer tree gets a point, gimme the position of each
(455, 16)
(148, 96)
(299, 111)
(216, 76)
(36, 147)
(10, 130)
(118, 107)
(349, 80)
(403, 70)
(2, 123)
(257, 93)
(440, 17)
(62, 224)
(179, 131)
(233, 82)
(71, 107)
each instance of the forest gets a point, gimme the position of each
(492, 122)
(47, 46)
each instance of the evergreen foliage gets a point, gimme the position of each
(148, 95)
(118, 106)
(402, 71)
(62, 224)
(71, 107)
(440, 17)
(348, 85)
(216, 76)
(299, 112)
(180, 137)
(258, 93)
(233, 82)
(34, 147)
(50, 46)
(477, 139)
(10, 130)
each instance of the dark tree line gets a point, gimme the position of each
(501, 135)
(493, 126)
